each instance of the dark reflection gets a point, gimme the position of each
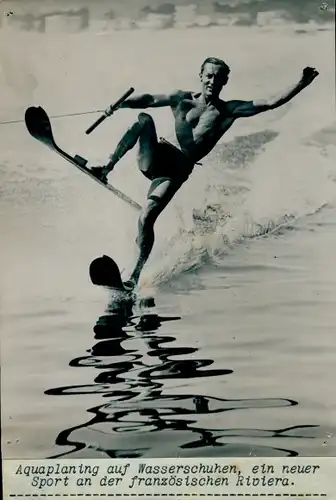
(140, 374)
(214, 438)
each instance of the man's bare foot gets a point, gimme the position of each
(100, 173)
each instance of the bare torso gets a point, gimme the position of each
(199, 126)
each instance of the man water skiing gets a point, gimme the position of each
(201, 119)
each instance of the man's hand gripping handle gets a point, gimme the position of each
(110, 110)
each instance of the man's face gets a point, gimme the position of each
(212, 80)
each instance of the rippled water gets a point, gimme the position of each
(247, 370)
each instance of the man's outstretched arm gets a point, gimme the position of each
(241, 109)
(147, 101)
(144, 101)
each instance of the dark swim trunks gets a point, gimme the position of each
(169, 162)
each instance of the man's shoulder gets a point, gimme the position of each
(228, 106)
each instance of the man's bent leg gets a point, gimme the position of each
(143, 129)
(159, 195)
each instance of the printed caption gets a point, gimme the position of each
(167, 477)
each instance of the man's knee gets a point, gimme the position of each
(150, 212)
(145, 120)
(162, 190)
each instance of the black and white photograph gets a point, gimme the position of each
(168, 229)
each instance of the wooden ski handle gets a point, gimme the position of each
(110, 109)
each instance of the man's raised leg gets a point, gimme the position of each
(143, 130)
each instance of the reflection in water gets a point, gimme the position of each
(134, 364)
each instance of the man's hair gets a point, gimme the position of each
(225, 69)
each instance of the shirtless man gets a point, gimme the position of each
(201, 119)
